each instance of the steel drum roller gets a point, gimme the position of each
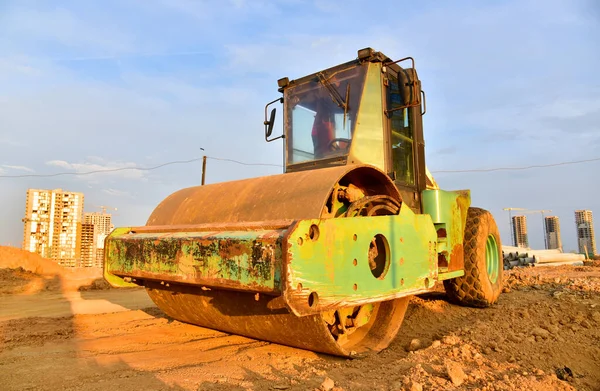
(300, 195)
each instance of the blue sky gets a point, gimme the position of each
(109, 84)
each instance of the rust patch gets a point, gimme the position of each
(202, 249)
(350, 193)
(222, 283)
(457, 258)
(262, 260)
(229, 249)
(242, 262)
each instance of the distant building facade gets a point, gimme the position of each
(552, 226)
(519, 225)
(586, 238)
(88, 245)
(103, 223)
(53, 224)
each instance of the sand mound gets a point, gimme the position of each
(13, 258)
(71, 278)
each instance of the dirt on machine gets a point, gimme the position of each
(326, 255)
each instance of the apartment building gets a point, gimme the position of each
(586, 238)
(552, 228)
(103, 223)
(52, 224)
(519, 225)
(88, 245)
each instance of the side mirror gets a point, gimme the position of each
(269, 124)
(409, 86)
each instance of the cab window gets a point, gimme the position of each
(401, 134)
(321, 115)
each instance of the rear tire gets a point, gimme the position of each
(482, 283)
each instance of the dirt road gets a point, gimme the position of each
(547, 320)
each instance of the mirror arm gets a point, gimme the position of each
(276, 138)
(388, 112)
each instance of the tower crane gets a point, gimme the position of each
(510, 223)
(541, 211)
(104, 208)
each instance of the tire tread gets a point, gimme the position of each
(467, 290)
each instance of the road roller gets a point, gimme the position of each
(326, 255)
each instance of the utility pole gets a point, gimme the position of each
(510, 224)
(203, 167)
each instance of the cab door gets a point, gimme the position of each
(406, 157)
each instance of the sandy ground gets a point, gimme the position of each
(59, 334)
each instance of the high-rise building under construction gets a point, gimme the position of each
(88, 245)
(103, 227)
(519, 226)
(552, 228)
(53, 224)
(586, 239)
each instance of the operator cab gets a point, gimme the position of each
(320, 116)
(366, 111)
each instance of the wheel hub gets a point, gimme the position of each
(491, 258)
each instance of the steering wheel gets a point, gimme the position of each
(334, 144)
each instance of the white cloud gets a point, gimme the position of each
(10, 142)
(112, 169)
(117, 193)
(60, 25)
(197, 10)
(21, 168)
(207, 13)
(569, 108)
(294, 56)
(17, 66)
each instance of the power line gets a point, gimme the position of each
(517, 168)
(133, 168)
(279, 165)
(245, 164)
(100, 171)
